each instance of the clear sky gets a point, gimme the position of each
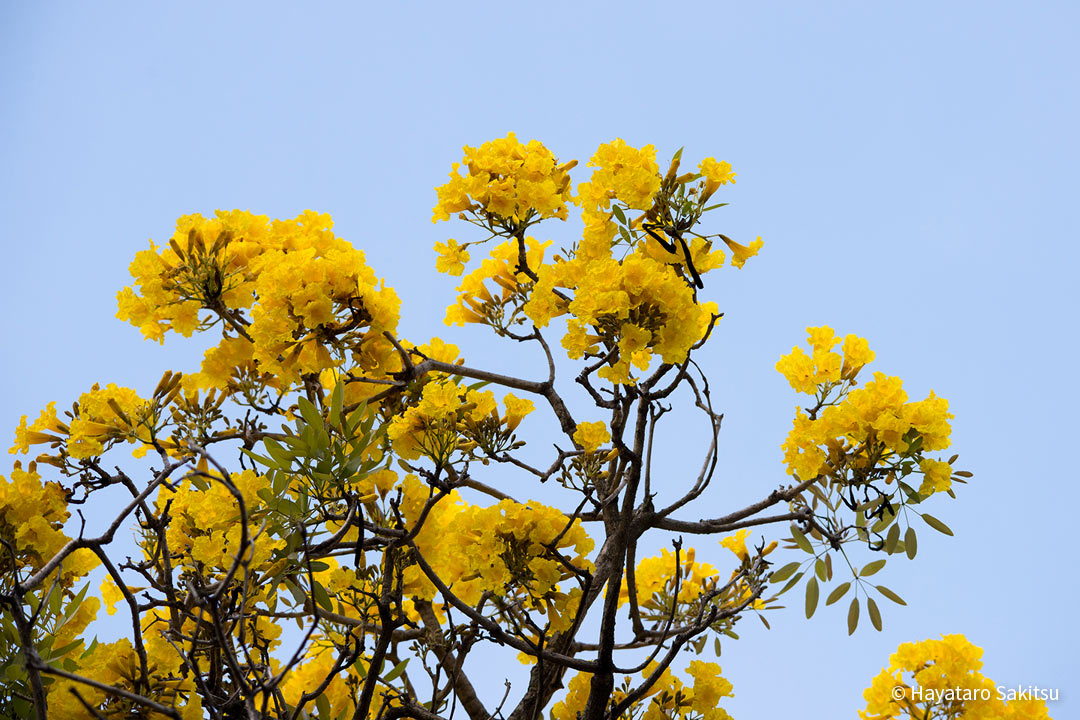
(910, 166)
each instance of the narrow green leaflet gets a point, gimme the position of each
(853, 615)
(811, 596)
(871, 568)
(890, 594)
(784, 573)
(936, 524)
(838, 592)
(801, 540)
(875, 614)
(911, 544)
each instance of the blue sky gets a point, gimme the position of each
(910, 166)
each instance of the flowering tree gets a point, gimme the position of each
(321, 472)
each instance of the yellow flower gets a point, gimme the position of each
(737, 543)
(516, 409)
(591, 435)
(110, 594)
(937, 476)
(742, 253)
(857, 353)
(506, 181)
(452, 257)
(798, 368)
(822, 338)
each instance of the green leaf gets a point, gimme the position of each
(936, 524)
(801, 540)
(791, 583)
(911, 543)
(282, 456)
(811, 597)
(321, 597)
(819, 569)
(262, 460)
(323, 706)
(784, 573)
(884, 522)
(871, 568)
(310, 413)
(398, 669)
(890, 594)
(892, 538)
(267, 496)
(617, 211)
(875, 614)
(280, 483)
(853, 615)
(337, 398)
(295, 591)
(838, 592)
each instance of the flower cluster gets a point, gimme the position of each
(449, 418)
(507, 549)
(205, 531)
(660, 574)
(623, 172)
(591, 435)
(628, 310)
(860, 429)
(293, 298)
(100, 418)
(32, 517)
(118, 665)
(477, 304)
(507, 183)
(944, 682)
(668, 698)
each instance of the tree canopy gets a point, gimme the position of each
(334, 521)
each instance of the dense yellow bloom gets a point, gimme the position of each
(302, 298)
(117, 664)
(875, 420)
(502, 549)
(591, 435)
(205, 529)
(937, 476)
(101, 417)
(656, 574)
(624, 172)
(668, 698)
(507, 181)
(941, 678)
(342, 690)
(857, 353)
(637, 305)
(798, 368)
(805, 373)
(32, 517)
